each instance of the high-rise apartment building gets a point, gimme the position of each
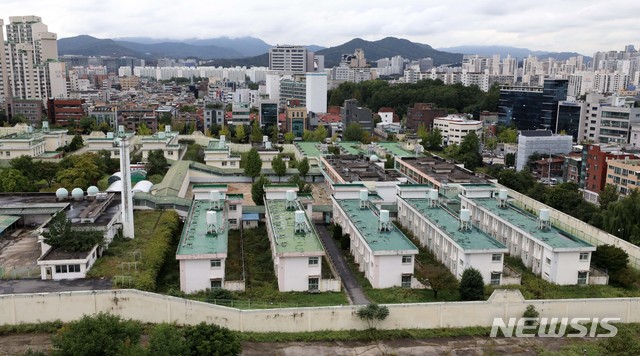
(286, 58)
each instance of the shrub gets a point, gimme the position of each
(373, 314)
(210, 339)
(167, 340)
(471, 285)
(531, 312)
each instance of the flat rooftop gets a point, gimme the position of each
(283, 228)
(352, 147)
(443, 171)
(473, 239)
(352, 168)
(366, 221)
(195, 240)
(309, 149)
(553, 237)
(395, 148)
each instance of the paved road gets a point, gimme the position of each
(14, 286)
(349, 281)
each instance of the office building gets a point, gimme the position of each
(269, 116)
(543, 142)
(423, 114)
(352, 113)
(286, 58)
(454, 128)
(316, 92)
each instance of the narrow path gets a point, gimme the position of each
(349, 281)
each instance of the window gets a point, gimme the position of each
(233, 207)
(314, 261)
(584, 256)
(496, 257)
(61, 268)
(215, 263)
(216, 283)
(406, 259)
(406, 281)
(224, 163)
(74, 268)
(314, 283)
(495, 278)
(582, 277)
(547, 260)
(461, 263)
(233, 221)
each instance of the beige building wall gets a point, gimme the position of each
(624, 175)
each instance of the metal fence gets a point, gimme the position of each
(20, 272)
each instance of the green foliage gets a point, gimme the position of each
(389, 163)
(80, 170)
(219, 294)
(12, 180)
(531, 312)
(612, 259)
(607, 196)
(303, 187)
(188, 109)
(471, 285)
(156, 163)
(510, 160)
(372, 314)
(210, 339)
(469, 152)
(225, 131)
(439, 279)
(102, 334)
(353, 132)
(289, 137)
(279, 166)
(433, 140)
(256, 132)
(507, 135)
(76, 143)
(155, 179)
(167, 340)
(59, 235)
(253, 164)
(240, 133)
(257, 190)
(195, 153)
(519, 181)
(143, 130)
(303, 167)
(87, 124)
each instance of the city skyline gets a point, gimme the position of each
(585, 28)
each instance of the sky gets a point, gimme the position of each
(583, 26)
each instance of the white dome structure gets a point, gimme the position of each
(115, 187)
(92, 191)
(374, 158)
(77, 193)
(143, 186)
(62, 193)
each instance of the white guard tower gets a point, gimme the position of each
(123, 143)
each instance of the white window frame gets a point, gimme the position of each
(216, 263)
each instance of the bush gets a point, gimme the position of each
(157, 250)
(167, 340)
(102, 334)
(219, 294)
(210, 339)
(373, 314)
(471, 285)
(531, 312)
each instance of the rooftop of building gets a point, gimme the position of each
(553, 237)
(536, 133)
(288, 241)
(395, 148)
(352, 168)
(195, 239)
(308, 149)
(443, 171)
(469, 240)
(366, 221)
(351, 147)
(214, 145)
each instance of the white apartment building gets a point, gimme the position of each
(286, 58)
(166, 141)
(452, 239)
(554, 255)
(382, 252)
(454, 128)
(316, 92)
(608, 119)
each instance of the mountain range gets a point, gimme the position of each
(251, 51)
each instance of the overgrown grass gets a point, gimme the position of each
(137, 262)
(49, 327)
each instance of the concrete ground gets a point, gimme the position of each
(18, 254)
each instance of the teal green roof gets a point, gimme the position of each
(173, 180)
(283, 229)
(213, 146)
(395, 149)
(553, 237)
(309, 149)
(470, 240)
(195, 240)
(366, 221)
(351, 147)
(6, 221)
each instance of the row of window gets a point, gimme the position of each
(67, 268)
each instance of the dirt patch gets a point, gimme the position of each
(19, 343)
(18, 254)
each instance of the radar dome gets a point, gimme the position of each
(373, 158)
(92, 190)
(77, 193)
(62, 193)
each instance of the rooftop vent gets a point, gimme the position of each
(384, 224)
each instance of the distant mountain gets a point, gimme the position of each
(516, 52)
(91, 46)
(314, 48)
(386, 48)
(246, 46)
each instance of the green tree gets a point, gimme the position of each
(102, 334)
(165, 118)
(422, 131)
(433, 140)
(59, 235)
(507, 135)
(320, 133)
(224, 131)
(279, 166)
(253, 164)
(167, 340)
(389, 162)
(510, 160)
(440, 279)
(76, 143)
(156, 163)
(11, 180)
(471, 285)
(607, 196)
(469, 153)
(289, 137)
(274, 133)
(80, 170)
(26, 165)
(104, 127)
(307, 136)
(87, 124)
(143, 130)
(210, 339)
(372, 314)
(240, 133)
(257, 190)
(303, 187)
(612, 259)
(256, 132)
(303, 167)
(353, 132)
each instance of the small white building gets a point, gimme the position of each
(382, 252)
(98, 141)
(540, 141)
(218, 154)
(554, 255)
(57, 264)
(454, 128)
(166, 141)
(296, 249)
(451, 238)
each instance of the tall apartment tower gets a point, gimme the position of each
(4, 77)
(31, 72)
(286, 58)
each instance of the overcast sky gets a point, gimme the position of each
(583, 26)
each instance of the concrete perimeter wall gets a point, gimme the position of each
(156, 308)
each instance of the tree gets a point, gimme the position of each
(607, 196)
(279, 166)
(87, 125)
(422, 131)
(353, 132)
(156, 163)
(303, 167)
(440, 279)
(307, 136)
(274, 133)
(289, 137)
(25, 164)
(102, 334)
(257, 190)
(471, 285)
(389, 162)
(76, 143)
(253, 164)
(337, 232)
(11, 180)
(372, 314)
(320, 133)
(143, 130)
(433, 140)
(224, 131)
(469, 152)
(80, 170)
(240, 134)
(104, 127)
(510, 160)
(167, 340)
(612, 259)
(507, 135)
(210, 339)
(303, 187)
(59, 235)
(256, 132)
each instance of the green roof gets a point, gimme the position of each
(351, 147)
(213, 146)
(283, 228)
(366, 221)
(395, 149)
(195, 240)
(309, 149)
(205, 185)
(553, 237)
(173, 180)
(473, 239)
(6, 221)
